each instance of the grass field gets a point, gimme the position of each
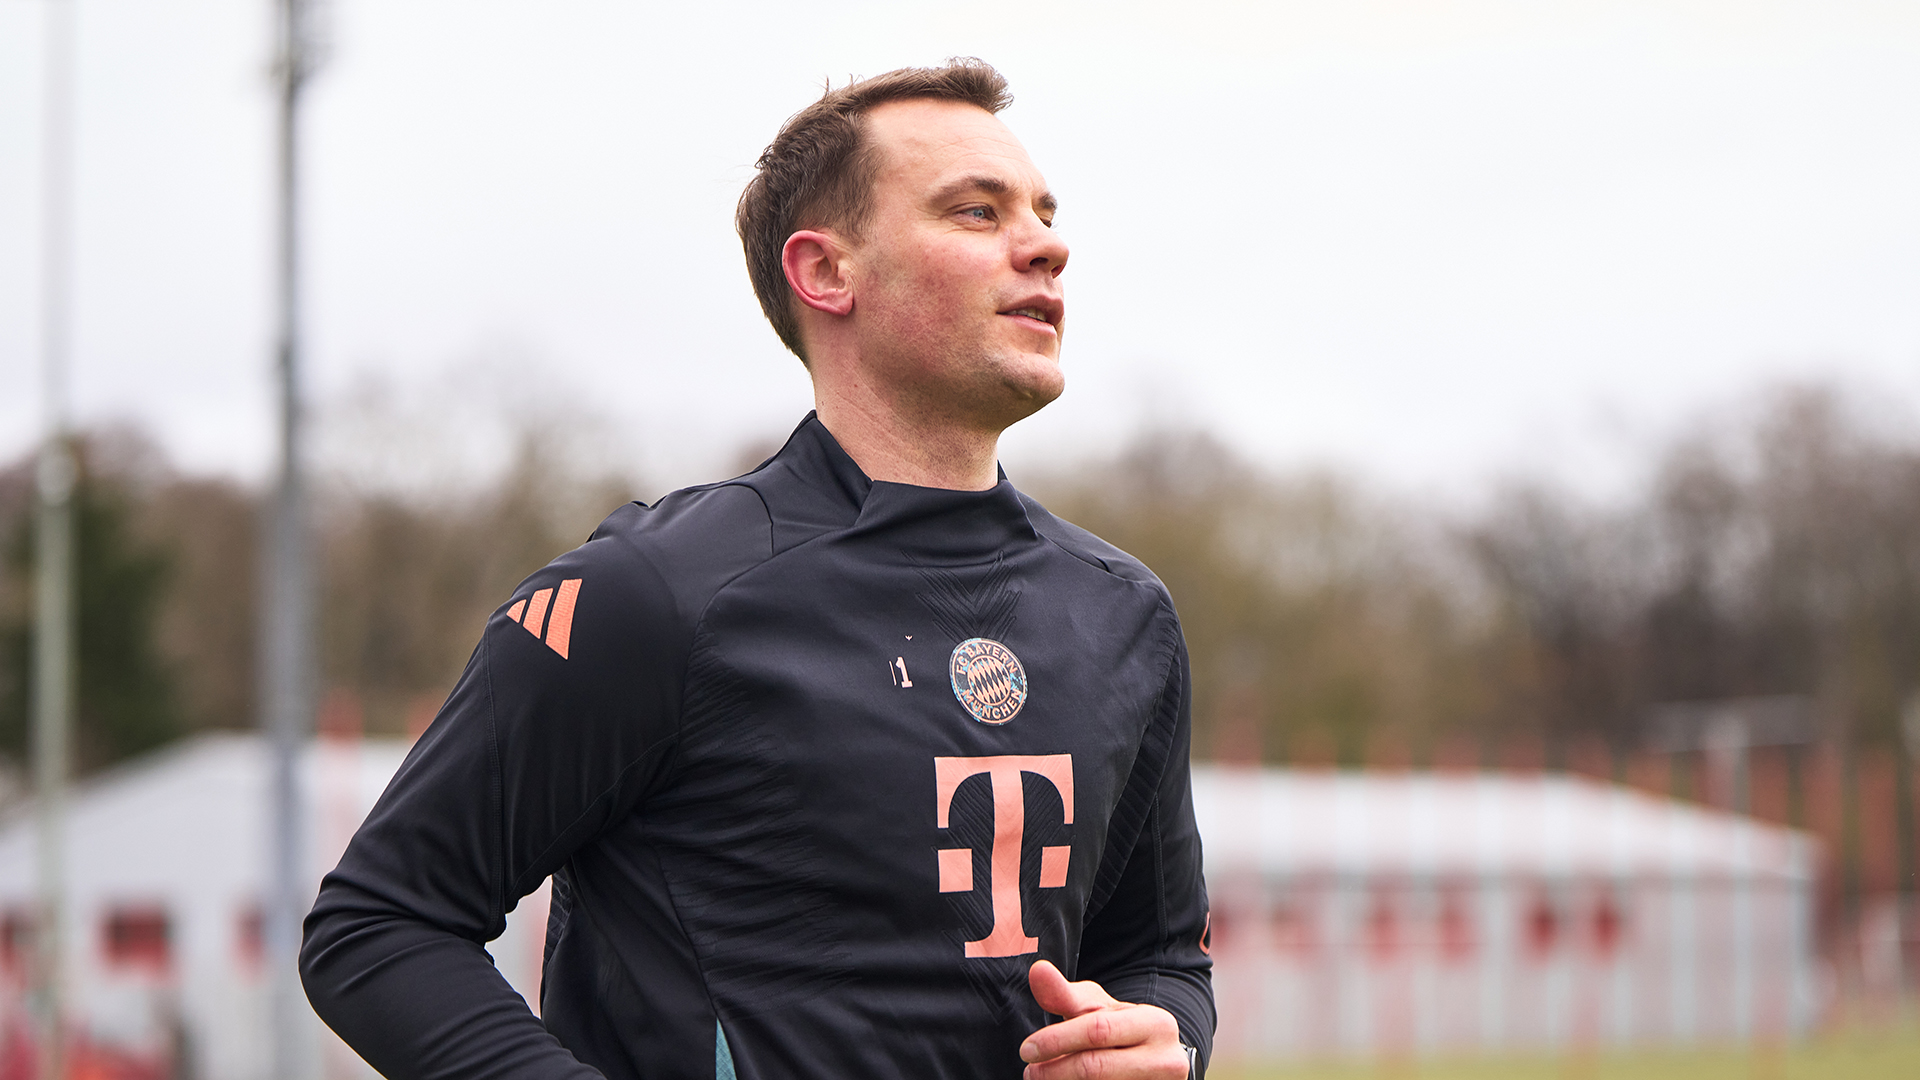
(1886, 1055)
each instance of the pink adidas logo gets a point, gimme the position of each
(532, 613)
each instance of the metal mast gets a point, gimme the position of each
(53, 640)
(287, 654)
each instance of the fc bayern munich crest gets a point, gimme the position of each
(988, 680)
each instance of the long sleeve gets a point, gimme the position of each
(712, 725)
(1147, 942)
(556, 728)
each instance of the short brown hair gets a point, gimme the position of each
(819, 171)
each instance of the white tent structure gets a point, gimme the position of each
(167, 863)
(1353, 912)
(1411, 913)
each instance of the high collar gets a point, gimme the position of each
(818, 460)
(934, 524)
(945, 526)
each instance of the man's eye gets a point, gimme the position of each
(979, 213)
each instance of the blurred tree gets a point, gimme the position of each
(1570, 585)
(1315, 617)
(125, 689)
(408, 582)
(1777, 553)
(1773, 551)
(206, 625)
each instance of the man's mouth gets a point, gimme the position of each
(1031, 313)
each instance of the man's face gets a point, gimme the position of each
(957, 298)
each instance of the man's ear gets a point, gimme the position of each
(815, 263)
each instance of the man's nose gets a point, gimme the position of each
(1041, 248)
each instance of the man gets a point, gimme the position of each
(839, 765)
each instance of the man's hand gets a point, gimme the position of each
(1099, 1038)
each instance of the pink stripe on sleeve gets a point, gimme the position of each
(537, 611)
(560, 627)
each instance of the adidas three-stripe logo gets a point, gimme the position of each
(532, 612)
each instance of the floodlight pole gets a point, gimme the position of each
(287, 653)
(53, 639)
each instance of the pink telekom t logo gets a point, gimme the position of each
(1008, 937)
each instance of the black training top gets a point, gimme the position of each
(819, 766)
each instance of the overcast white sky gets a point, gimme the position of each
(1431, 241)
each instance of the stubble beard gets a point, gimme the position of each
(999, 388)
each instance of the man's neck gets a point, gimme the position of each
(898, 449)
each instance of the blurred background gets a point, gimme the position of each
(1522, 404)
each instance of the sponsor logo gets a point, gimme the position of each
(1007, 774)
(988, 680)
(557, 624)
